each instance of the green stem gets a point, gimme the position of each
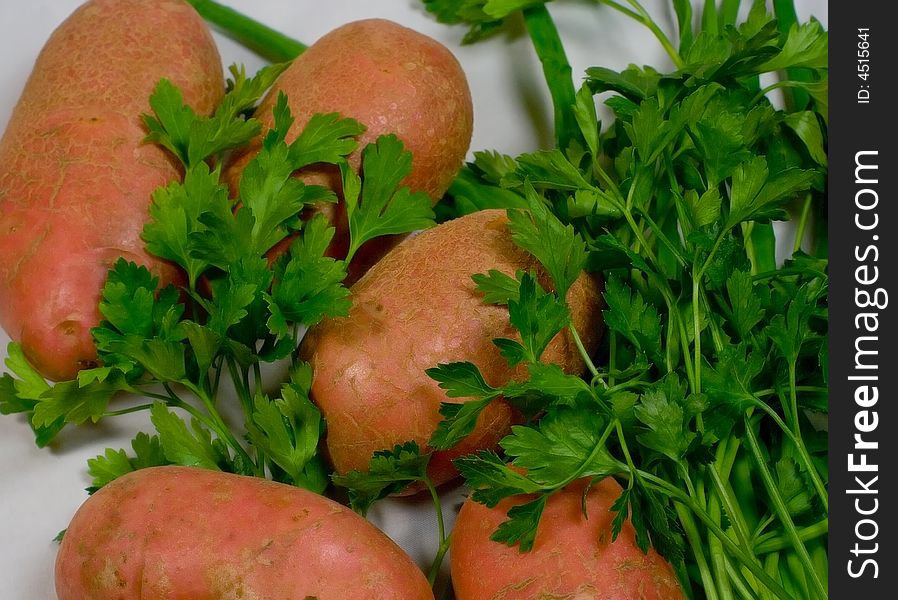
(556, 70)
(125, 411)
(612, 357)
(738, 581)
(640, 15)
(785, 18)
(265, 41)
(774, 542)
(802, 223)
(802, 451)
(729, 10)
(661, 237)
(781, 509)
(718, 556)
(240, 387)
(217, 424)
(441, 527)
(731, 508)
(697, 335)
(615, 424)
(584, 354)
(814, 389)
(696, 544)
(734, 549)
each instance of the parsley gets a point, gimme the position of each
(713, 356)
(238, 309)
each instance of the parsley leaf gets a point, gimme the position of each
(556, 246)
(375, 204)
(287, 429)
(538, 316)
(181, 445)
(112, 464)
(389, 472)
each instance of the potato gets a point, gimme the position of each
(414, 309)
(572, 556)
(393, 80)
(188, 533)
(75, 177)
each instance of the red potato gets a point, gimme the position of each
(75, 176)
(185, 533)
(572, 557)
(414, 309)
(391, 79)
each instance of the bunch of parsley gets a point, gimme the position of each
(707, 399)
(238, 308)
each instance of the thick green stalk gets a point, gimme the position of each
(776, 542)
(697, 545)
(557, 71)
(735, 550)
(796, 98)
(819, 486)
(782, 511)
(729, 11)
(265, 41)
(718, 557)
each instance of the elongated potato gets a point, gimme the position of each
(393, 80)
(184, 533)
(75, 177)
(572, 556)
(414, 309)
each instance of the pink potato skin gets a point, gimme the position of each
(393, 80)
(415, 309)
(573, 558)
(182, 533)
(75, 175)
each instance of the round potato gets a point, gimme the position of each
(572, 556)
(392, 79)
(75, 175)
(181, 532)
(415, 309)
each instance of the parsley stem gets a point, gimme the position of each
(819, 487)
(640, 15)
(738, 580)
(441, 527)
(659, 235)
(734, 549)
(612, 357)
(786, 19)
(697, 337)
(125, 411)
(696, 545)
(802, 223)
(798, 388)
(214, 421)
(556, 69)
(730, 506)
(773, 541)
(718, 556)
(265, 41)
(585, 355)
(781, 509)
(240, 386)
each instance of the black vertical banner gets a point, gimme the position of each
(863, 270)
